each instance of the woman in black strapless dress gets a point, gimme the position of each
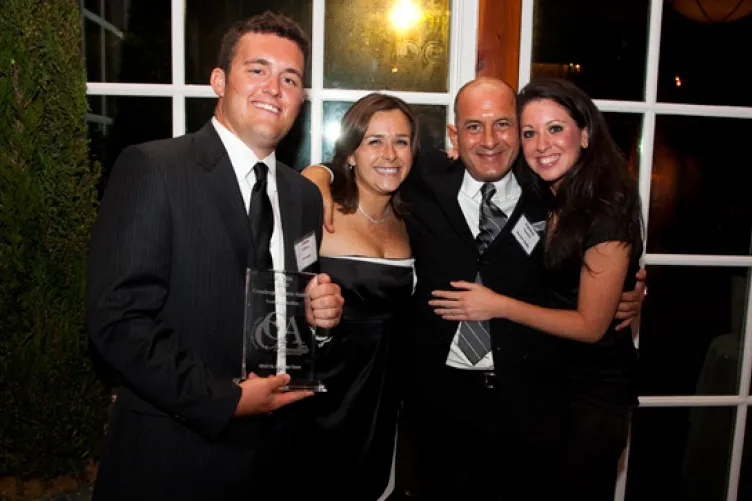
(356, 419)
(369, 257)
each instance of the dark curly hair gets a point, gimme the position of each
(354, 125)
(597, 190)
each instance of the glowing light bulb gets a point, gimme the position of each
(678, 81)
(405, 14)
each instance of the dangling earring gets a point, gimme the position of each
(350, 166)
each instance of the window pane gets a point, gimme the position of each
(295, 148)
(198, 111)
(93, 6)
(132, 44)
(103, 51)
(699, 200)
(704, 52)
(601, 46)
(680, 454)
(691, 332)
(745, 478)
(117, 122)
(207, 20)
(431, 123)
(383, 44)
(626, 129)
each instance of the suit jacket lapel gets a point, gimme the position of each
(446, 182)
(289, 211)
(224, 190)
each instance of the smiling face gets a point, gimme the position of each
(384, 157)
(261, 95)
(551, 140)
(486, 135)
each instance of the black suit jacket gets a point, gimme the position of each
(527, 420)
(445, 250)
(165, 311)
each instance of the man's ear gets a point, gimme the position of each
(217, 81)
(452, 131)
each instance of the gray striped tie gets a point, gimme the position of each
(474, 339)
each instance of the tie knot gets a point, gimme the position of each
(260, 169)
(488, 190)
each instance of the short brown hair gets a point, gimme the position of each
(354, 126)
(268, 23)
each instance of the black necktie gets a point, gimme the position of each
(475, 338)
(492, 219)
(262, 218)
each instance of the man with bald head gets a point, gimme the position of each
(471, 397)
(483, 406)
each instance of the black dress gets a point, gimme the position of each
(356, 420)
(598, 391)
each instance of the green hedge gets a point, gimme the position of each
(52, 408)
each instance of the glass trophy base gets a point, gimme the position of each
(314, 386)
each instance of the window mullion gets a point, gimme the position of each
(526, 42)
(737, 448)
(177, 22)
(463, 47)
(317, 80)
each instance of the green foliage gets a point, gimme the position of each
(52, 409)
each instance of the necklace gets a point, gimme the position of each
(374, 221)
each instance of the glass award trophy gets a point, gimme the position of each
(277, 337)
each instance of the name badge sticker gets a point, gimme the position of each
(306, 252)
(525, 234)
(540, 226)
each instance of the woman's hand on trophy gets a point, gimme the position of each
(323, 302)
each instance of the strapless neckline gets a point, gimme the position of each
(389, 261)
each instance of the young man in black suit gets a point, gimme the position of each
(180, 221)
(484, 422)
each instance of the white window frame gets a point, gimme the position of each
(649, 109)
(463, 42)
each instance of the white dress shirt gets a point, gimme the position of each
(469, 197)
(243, 159)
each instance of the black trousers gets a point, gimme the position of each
(457, 435)
(520, 440)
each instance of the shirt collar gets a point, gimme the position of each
(241, 156)
(506, 187)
